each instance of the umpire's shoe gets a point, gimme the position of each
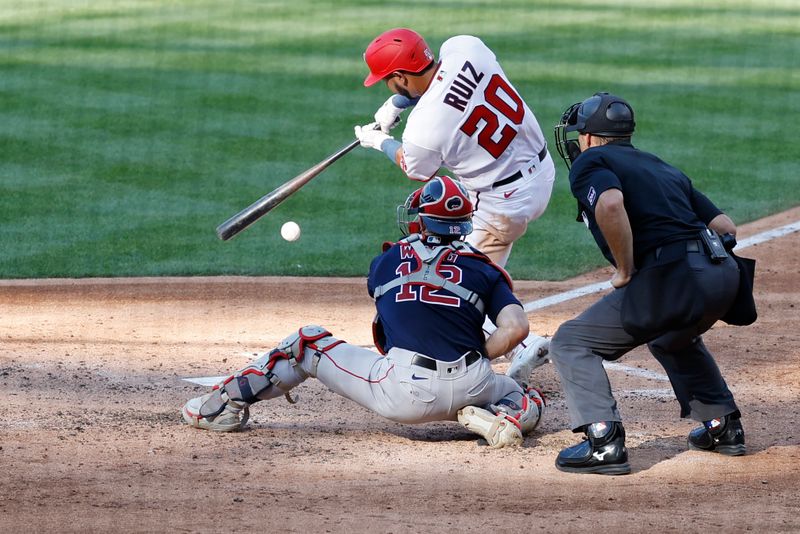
(602, 451)
(724, 435)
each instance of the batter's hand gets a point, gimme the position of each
(388, 115)
(370, 137)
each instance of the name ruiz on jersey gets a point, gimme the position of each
(463, 87)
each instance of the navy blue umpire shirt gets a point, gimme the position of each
(662, 205)
(435, 322)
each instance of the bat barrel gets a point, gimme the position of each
(243, 219)
(262, 206)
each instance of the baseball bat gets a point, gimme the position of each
(265, 204)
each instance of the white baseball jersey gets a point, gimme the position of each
(470, 120)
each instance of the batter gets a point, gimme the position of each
(469, 118)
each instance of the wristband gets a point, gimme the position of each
(389, 147)
(402, 102)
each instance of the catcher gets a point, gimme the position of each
(432, 292)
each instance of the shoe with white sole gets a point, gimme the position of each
(602, 452)
(526, 359)
(498, 430)
(232, 416)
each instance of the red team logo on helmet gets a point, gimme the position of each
(444, 206)
(397, 49)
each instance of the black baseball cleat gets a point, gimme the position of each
(602, 452)
(724, 435)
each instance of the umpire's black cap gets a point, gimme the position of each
(603, 114)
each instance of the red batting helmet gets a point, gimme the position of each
(444, 206)
(397, 49)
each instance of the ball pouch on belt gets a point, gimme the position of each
(713, 245)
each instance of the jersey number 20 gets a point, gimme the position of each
(490, 119)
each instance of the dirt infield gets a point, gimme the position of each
(92, 440)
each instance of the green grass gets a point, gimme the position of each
(130, 129)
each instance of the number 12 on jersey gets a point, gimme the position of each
(427, 294)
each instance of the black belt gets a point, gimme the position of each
(679, 247)
(429, 363)
(517, 175)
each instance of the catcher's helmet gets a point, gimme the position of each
(397, 49)
(444, 206)
(601, 114)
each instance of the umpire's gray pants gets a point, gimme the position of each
(580, 345)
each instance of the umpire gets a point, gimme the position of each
(673, 280)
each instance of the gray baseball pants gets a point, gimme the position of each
(580, 345)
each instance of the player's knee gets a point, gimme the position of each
(674, 345)
(316, 338)
(293, 345)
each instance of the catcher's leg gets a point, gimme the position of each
(505, 422)
(527, 356)
(225, 408)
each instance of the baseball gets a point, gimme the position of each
(290, 231)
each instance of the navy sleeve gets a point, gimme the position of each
(589, 178)
(703, 207)
(371, 283)
(501, 297)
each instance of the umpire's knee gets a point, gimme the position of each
(563, 336)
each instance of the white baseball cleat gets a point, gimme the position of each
(498, 430)
(232, 417)
(527, 359)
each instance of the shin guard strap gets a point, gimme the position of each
(321, 347)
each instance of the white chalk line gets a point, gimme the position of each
(601, 286)
(635, 371)
(583, 291)
(769, 234)
(565, 296)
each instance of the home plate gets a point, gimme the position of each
(206, 380)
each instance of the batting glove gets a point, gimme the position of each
(388, 115)
(370, 137)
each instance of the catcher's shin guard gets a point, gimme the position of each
(220, 409)
(506, 422)
(253, 383)
(526, 408)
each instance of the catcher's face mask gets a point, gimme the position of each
(408, 215)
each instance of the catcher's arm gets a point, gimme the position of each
(512, 328)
